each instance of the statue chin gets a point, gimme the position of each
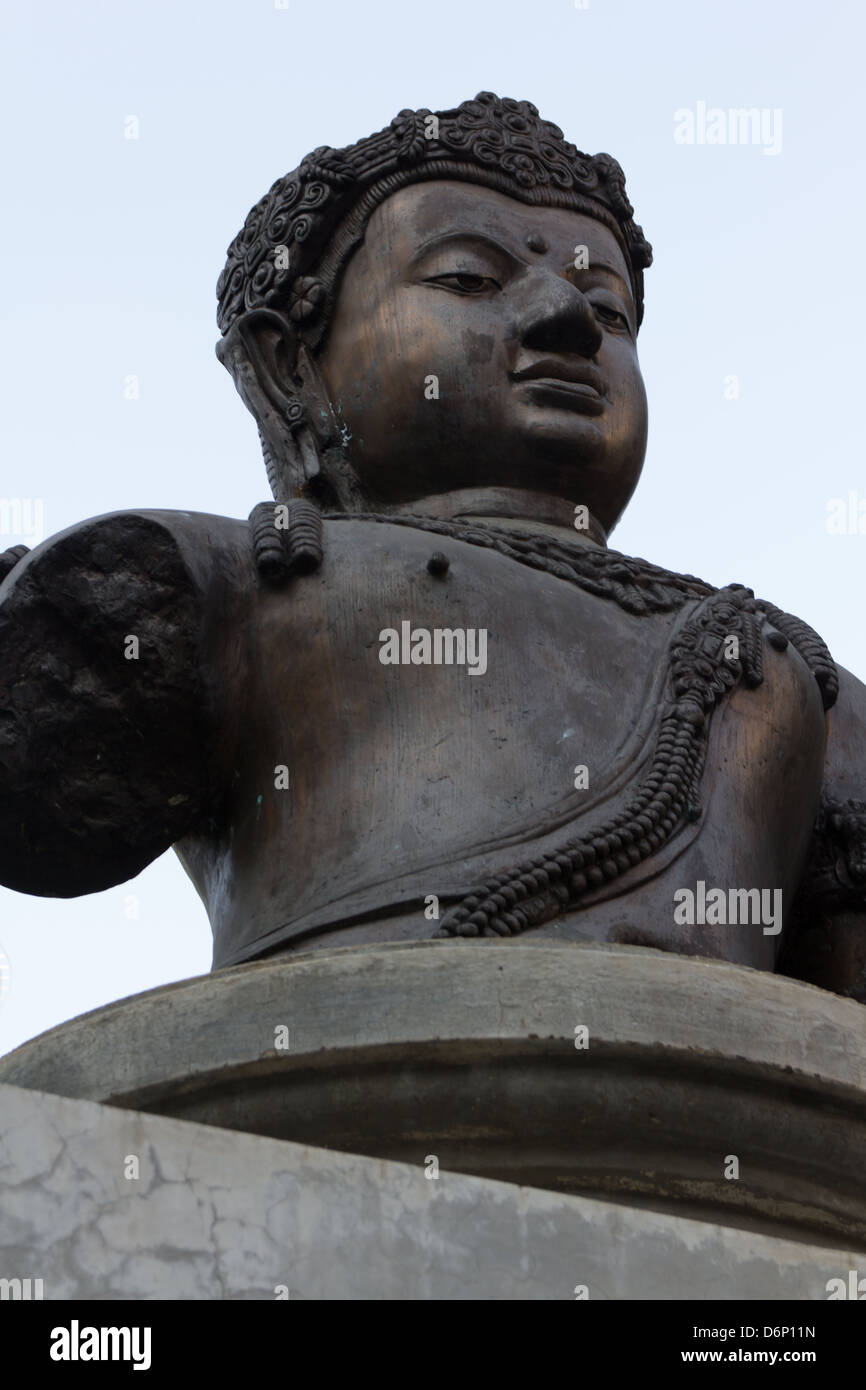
(541, 486)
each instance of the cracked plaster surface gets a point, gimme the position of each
(220, 1215)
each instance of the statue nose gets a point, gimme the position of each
(559, 318)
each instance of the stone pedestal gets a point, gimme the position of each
(204, 1213)
(676, 1085)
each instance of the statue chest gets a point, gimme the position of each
(444, 702)
(408, 730)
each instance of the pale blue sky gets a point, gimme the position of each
(111, 249)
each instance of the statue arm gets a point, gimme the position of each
(826, 945)
(104, 726)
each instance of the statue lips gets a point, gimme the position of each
(575, 385)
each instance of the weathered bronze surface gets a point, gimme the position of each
(436, 332)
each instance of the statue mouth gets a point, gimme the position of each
(578, 386)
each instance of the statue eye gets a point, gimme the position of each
(609, 315)
(465, 283)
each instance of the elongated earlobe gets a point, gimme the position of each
(273, 375)
(276, 375)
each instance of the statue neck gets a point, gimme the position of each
(514, 508)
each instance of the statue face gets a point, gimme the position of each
(462, 291)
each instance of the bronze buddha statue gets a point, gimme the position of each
(417, 694)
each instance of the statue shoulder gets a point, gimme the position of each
(131, 539)
(841, 828)
(106, 718)
(826, 941)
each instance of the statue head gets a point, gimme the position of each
(450, 304)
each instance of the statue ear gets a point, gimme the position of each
(281, 387)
